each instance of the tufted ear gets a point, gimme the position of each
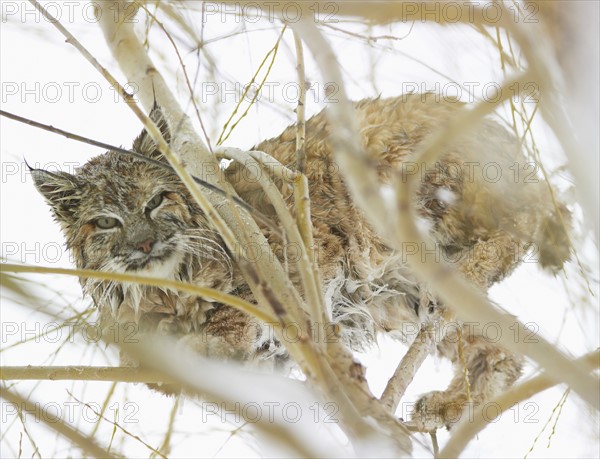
(61, 190)
(144, 144)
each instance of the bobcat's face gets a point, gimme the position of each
(120, 214)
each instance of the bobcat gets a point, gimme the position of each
(121, 214)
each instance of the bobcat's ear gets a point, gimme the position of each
(144, 144)
(61, 190)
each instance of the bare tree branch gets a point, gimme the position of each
(407, 369)
(84, 373)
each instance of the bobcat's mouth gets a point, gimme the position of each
(160, 259)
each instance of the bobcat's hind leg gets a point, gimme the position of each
(491, 369)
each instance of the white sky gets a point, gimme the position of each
(37, 68)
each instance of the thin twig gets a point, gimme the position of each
(368, 38)
(103, 408)
(558, 406)
(300, 109)
(36, 449)
(434, 444)
(272, 52)
(165, 447)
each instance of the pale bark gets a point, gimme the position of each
(408, 367)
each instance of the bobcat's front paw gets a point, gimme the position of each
(437, 409)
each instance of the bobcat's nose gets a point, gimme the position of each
(146, 246)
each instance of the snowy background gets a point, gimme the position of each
(45, 79)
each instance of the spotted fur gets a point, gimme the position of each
(482, 225)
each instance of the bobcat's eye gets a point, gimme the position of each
(154, 202)
(106, 222)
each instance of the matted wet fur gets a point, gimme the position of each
(121, 214)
